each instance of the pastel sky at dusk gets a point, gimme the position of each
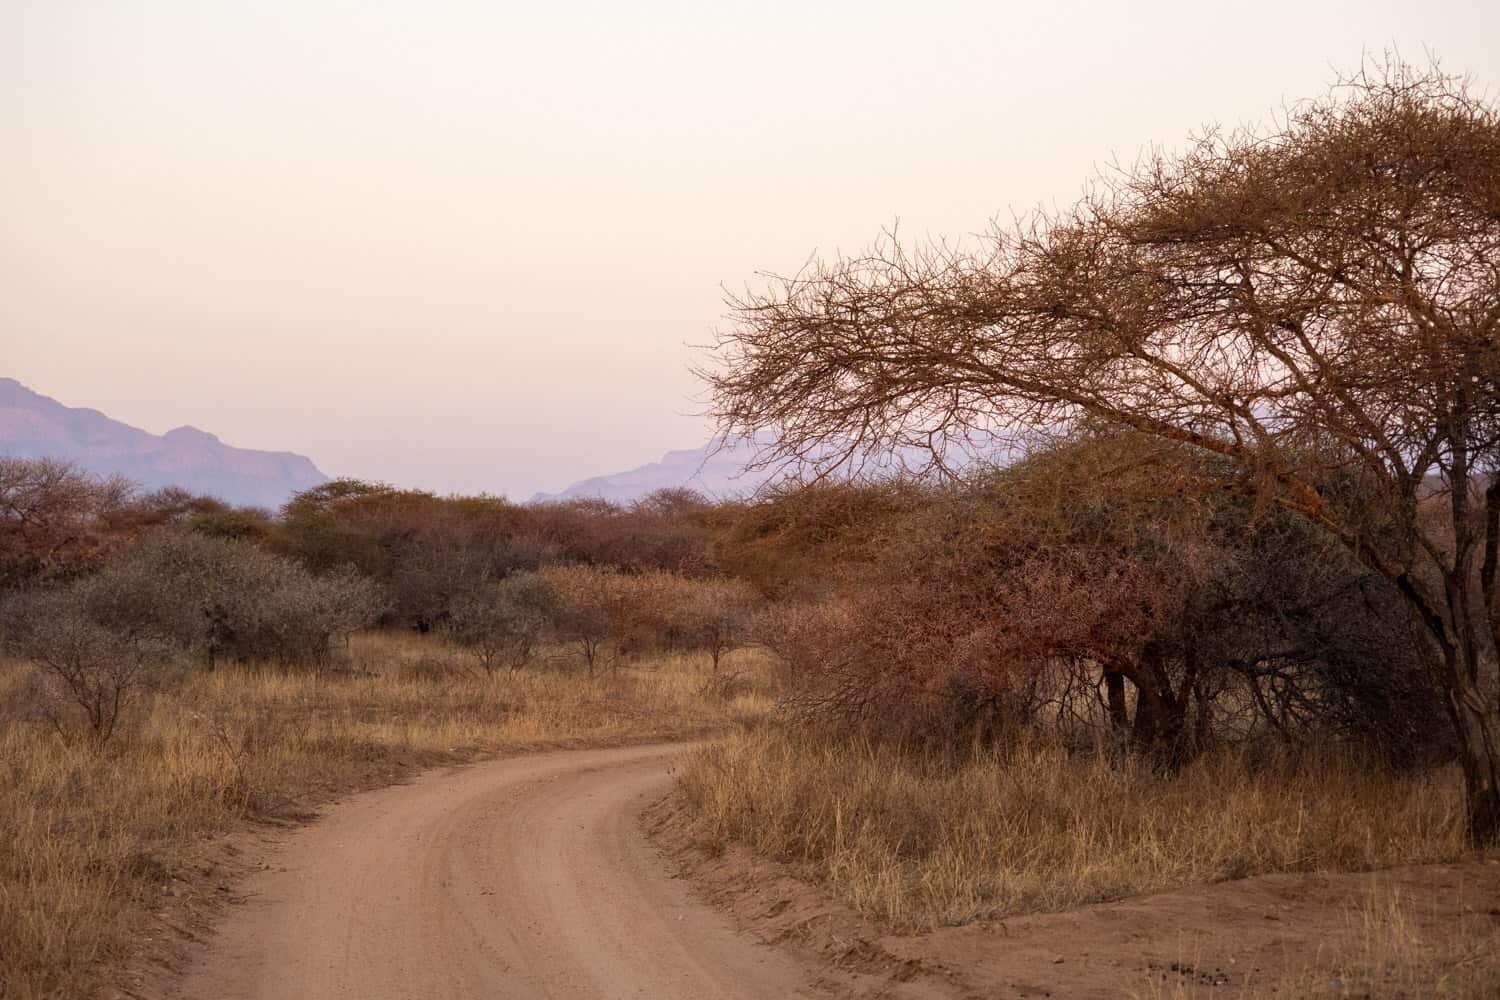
(469, 246)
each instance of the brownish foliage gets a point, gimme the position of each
(55, 521)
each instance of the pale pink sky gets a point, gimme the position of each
(465, 245)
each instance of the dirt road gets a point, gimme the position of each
(521, 878)
(531, 878)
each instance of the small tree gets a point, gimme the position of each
(609, 613)
(715, 615)
(501, 623)
(582, 602)
(646, 609)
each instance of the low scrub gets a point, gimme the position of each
(924, 838)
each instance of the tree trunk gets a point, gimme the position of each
(1202, 720)
(1160, 724)
(1119, 714)
(1478, 728)
(1468, 680)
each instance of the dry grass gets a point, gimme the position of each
(96, 843)
(1391, 949)
(921, 840)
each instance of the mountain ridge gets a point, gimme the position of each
(33, 425)
(719, 472)
(728, 471)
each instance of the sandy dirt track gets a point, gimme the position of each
(522, 878)
(532, 877)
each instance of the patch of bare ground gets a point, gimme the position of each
(1408, 932)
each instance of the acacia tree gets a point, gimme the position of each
(1314, 305)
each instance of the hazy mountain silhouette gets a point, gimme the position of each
(718, 474)
(36, 426)
(722, 473)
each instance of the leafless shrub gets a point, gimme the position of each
(609, 614)
(242, 739)
(90, 673)
(843, 664)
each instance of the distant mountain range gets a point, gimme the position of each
(720, 474)
(36, 426)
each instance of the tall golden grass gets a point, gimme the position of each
(921, 839)
(96, 842)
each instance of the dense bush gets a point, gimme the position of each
(218, 598)
(608, 614)
(1090, 587)
(430, 552)
(1082, 589)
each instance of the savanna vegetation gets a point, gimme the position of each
(1227, 601)
(1197, 580)
(174, 669)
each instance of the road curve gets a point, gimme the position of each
(522, 878)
